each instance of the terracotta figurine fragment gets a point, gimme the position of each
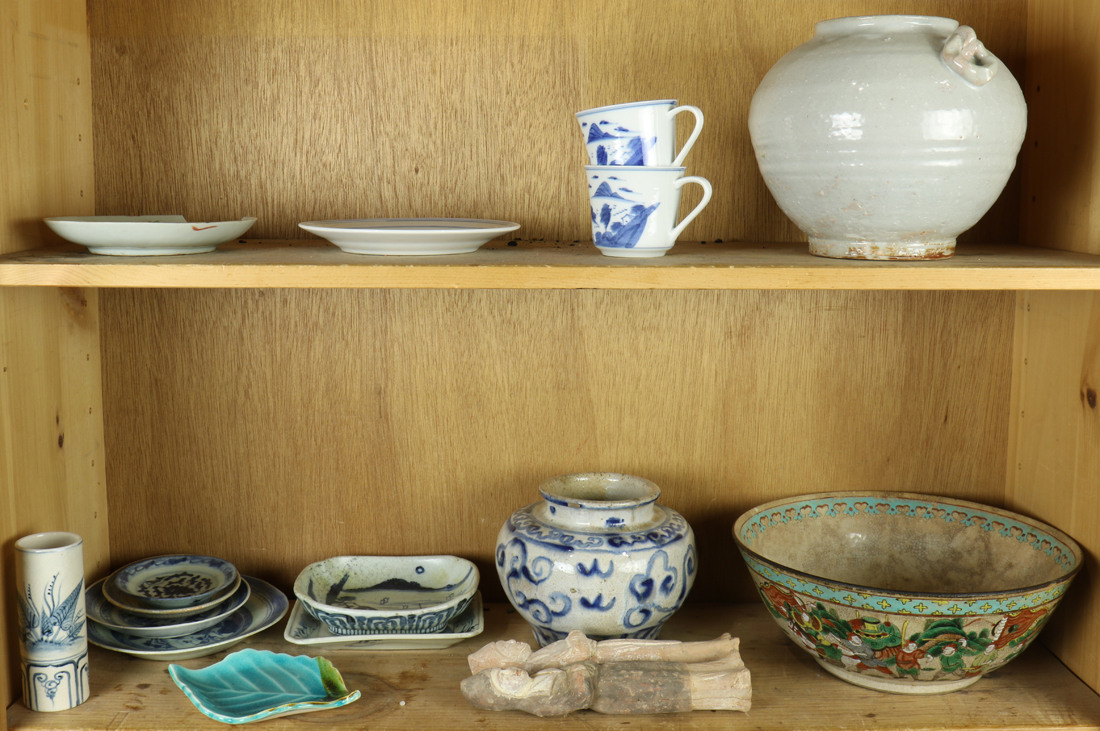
(613, 676)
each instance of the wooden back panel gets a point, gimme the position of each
(295, 111)
(278, 427)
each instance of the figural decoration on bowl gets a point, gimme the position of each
(885, 137)
(901, 592)
(598, 555)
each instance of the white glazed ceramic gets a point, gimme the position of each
(409, 236)
(179, 580)
(634, 209)
(638, 133)
(53, 632)
(597, 554)
(266, 606)
(109, 616)
(362, 595)
(146, 235)
(302, 628)
(886, 137)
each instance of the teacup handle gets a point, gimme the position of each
(705, 184)
(694, 133)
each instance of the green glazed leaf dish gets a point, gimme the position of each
(255, 685)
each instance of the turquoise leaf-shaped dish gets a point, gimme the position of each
(255, 685)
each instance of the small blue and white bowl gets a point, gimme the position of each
(367, 595)
(176, 581)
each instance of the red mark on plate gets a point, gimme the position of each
(196, 228)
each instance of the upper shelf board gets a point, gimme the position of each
(553, 265)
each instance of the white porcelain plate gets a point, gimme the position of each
(410, 236)
(304, 629)
(111, 617)
(146, 235)
(264, 607)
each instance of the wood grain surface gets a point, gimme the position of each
(1061, 160)
(420, 690)
(294, 111)
(276, 428)
(51, 438)
(1054, 450)
(524, 264)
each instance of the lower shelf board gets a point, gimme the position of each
(419, 689)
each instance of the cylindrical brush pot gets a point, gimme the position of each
(53, 633)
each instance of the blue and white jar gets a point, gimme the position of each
(599, 555)
(53, 631)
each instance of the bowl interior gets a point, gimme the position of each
(375, 583)
(908, 544)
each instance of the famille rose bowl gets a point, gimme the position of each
(902, 592)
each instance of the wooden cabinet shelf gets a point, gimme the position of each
(540, 265)
(278, 401)
(419, 690)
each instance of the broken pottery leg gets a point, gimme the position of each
(578, 648)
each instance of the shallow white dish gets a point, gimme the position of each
(304, 629)
(264, 607)
(146, 235)
(409, 236)
(111, 617)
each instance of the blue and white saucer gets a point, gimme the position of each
(111, 617)
(264, 607)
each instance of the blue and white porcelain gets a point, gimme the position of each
(264, 607)
(255, 685)
(362, 595)
(302, 628)
(102, 612)
(53, 631)
(599, 555)
(637, 133)
(634, 209)
(134, 605)
(180, 580)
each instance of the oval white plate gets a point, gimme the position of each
(265, 607)
(409, 236)
(111, 617)
(146, 235)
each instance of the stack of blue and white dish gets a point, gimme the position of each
(386, 602)
(178, 607)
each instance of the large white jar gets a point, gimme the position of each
(885, 137)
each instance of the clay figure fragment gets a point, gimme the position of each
(613, 676)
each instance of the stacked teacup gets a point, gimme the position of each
(634, 177)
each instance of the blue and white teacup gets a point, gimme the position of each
(638, 133)
(634, 209)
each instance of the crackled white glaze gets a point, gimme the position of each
(885, 137)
